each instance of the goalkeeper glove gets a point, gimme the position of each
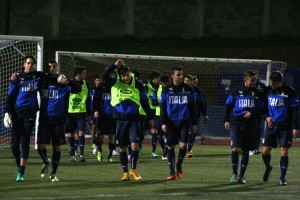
(7, 120)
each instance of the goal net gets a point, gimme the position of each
(12, 51)
(216, 76)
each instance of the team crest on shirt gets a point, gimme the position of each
(183, 89)
(241, 93)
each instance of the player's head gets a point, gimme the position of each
(52, 67)
(188, 79)
(124, 73)
(97, 80)
(80, 73)
(165, 79)
(177, 75)
(155, 77)
(194, 80)
(250, 78)
(137, 74)
(276, 79)
(29, 63)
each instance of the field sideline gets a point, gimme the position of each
(206, 177)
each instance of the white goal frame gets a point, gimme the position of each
(96, 62)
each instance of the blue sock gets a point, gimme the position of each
(154, 141)
(110, 149)
(234, 162)
(244, 163)
(76, 143)
(284, 163)
(81, 145)
(55, 161)
(134, 159)
(71, 141)
(171, 161)
(22, 169)
(181, 155)
(124, 161)
(267, 160)
(43, 155)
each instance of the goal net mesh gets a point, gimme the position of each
(216, 76)
(12, 52)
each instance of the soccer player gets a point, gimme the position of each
(152, 87)
(20, 111)
(127, 96)
(102, 110)
(201, 108)
(282, 124)
(177, 104)
(164, 81)
(261, 87)
(78, 110)
(53, 114)
(97, 82)
(243, 102)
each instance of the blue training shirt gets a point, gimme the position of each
(283, 105)
(54, 98)
(22, 94)
(244, 99)
(177, 103)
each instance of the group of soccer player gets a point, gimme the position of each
(122, 106)
(278, 105)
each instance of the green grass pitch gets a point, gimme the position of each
(206, 176)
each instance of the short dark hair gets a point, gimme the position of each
(164, 78)
(97, 77)
(249, 73)
(123, 69)
(29, 56)
(52, 61)
(178, 68)
(188, 76)
(276, 76)
(154, 75)
(78, 70)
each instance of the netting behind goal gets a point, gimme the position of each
(216, 76)
(12, 51)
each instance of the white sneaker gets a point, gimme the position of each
(251, 153)
(53, 178)
(164, 158)
(95, 150)
(115, 153)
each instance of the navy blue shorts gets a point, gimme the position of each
(242, 137)
(127, 132)
(76, 122)
(177, 132)
(278, 135)
(48, 132)
(23, 127)
(106, 126)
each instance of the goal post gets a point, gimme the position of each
(216, 76)
(12, 51)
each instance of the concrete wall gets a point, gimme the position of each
(151, 18)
